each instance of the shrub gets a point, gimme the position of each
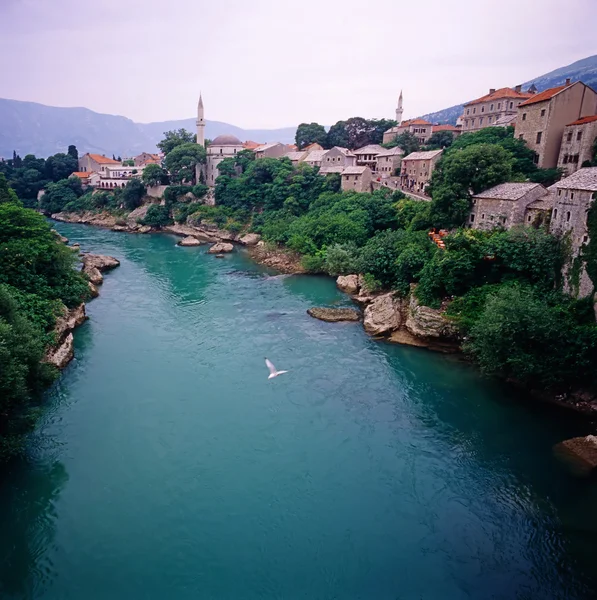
(157, 216)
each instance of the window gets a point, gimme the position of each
(524, 116)
(482, 109)
(472, 122)
(466, 122)
(576, 159)
(491, 108)
(511, 104)
(529, 219)
(468, 111)
(539, 136)
(499, 105)
(579, 136)
(474, 110)
(480, 120)
(555, 212)
(559, 192)
(521, 137)
(543, 112)
(568, 217)
(585, 239)
(483, 216)
(569, 138)
(536, 158)
(565, 161)
(472, 218)
(571, 195)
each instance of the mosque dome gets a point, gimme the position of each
(226, 140)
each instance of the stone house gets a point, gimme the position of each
(336, 160)
(251, 145)
(223, 146)
(388, 161)
(95, 163)
(573, 197)
(420, 128)
(577, 144)
(486, 110)
(416, 170)
(296, 157)
(541, 119)
(145, 158)
(312, 147)
(504, 205)
(356, 179)
(315, 157)
(366, 156)
(271, 150)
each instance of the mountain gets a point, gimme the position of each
(582, 70)
(31, 128)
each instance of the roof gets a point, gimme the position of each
(446, 128)
(315, 156)
(154, 156)
(313, 146)
(544, 203)
(344, 151)
(104, 160)
(396, 151)
(354, 170)
(500, 95)
(583, 179)
(418, 122)
(266, 146)
(546, 95)
(336, 169)
(508, 191)
(427, 155)
(583, 120)
(81, 174)
(370, 149)
(226, 140)
(505, 120)
(295, 155)
(250, 145)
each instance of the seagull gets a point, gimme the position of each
(272, 370)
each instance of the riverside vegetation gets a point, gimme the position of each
(504, 290)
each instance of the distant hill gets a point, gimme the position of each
(585, 70)
(31, 128)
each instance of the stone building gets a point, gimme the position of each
(420, 128)
(366, 156)
(296, 157)
(356, 179)
(577, 144)
(388, 161)
(504, 205)
(416, 170)
(145, 158)
(486, 110)
(223, 146)
(95, 163)
(541, 119)
(314, 157)
(336, 160)
(271, 150)
(573, 197)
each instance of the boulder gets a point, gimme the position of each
(69, 319)
(221, 247)
(93, 290)
(120, 228)
(144, 229)
(423, 321)
(100, 261)
(137, 215)
(63, 353)
(579, 453)
(348, 283)
(383, 315)
(189, 241)
(61, 238)
(76, 245)
(250, 239)
(333, 315)
(94, 274)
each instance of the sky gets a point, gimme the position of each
(276, 63)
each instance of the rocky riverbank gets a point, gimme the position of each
(281, 259)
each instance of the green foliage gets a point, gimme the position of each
(200, 191)
(58, 195)
(182, 160)
(341, 259)
(60, 166)
(357, 132)
(72, 151)
(175, 138)
(407, 141)
(132, 194)
(154, 175)
(7, 194)
(157, 216)
(310, 133)
(440, 139)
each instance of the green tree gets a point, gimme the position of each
(154, 175)
(310, 133)
(72, 151)
(60, 166)
(7, 194)
(132, 194)
(182, 160)
(157, 216)
(175, 138)
(440, 139)
(338, 135)
(58, 195)
(407, 141)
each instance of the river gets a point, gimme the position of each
(166, 465)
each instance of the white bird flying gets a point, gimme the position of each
(272, 370)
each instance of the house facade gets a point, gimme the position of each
(542, 119)
(495, 106)
(271, 150)
(504, 205)
(366, 156)
(147, 159)
(336, 160)
(356, 179)
(416, 170)
(314, 157)
(577, 144)
(388, 161)
(296, 157)
(95, 163)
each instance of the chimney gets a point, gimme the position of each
(518, 88)
(492, 90)
(567, 80)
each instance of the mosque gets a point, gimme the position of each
(223, 146)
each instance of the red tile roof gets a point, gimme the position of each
(419, 122)
(81, 174)
(499, 95)
(250, 145)
(98, 158)
(446, 128)
(542, 96)
(583, 120)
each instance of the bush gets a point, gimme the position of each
(341, 259)
(157, 216)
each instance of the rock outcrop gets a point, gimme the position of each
(93, 290)
(220, 248)
(62, 352)
(281, 259)
(87, 218)
(133, 218)
(422, 321)
(188, 230)
(250, 239)
(383, 315)
(94, 264)
(189, 241)
(348, 284)
(579, 453)
(334, 315)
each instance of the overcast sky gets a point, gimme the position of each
(274, 63)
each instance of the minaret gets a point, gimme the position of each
(399, 109)
(200, 123)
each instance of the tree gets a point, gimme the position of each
(60, 166)
(440, 139)
(337, 135)
(154, 175)
(359, 132)
(7, 194)
(175, 138)
(157, 216)
(58, 195)
(72, 151)
(182, 160)
(378, 128)
(407, 141)
(310, 133)
(132, 194)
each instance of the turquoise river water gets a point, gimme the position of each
(167, 465)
